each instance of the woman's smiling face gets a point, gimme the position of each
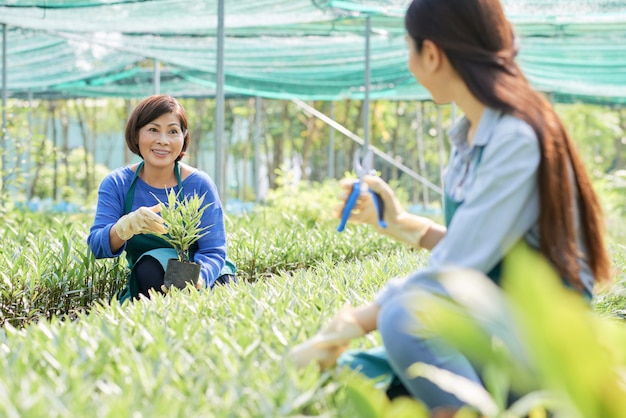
(161, 141)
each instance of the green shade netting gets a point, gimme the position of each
(286, 48)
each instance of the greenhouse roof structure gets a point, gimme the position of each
(306, 49)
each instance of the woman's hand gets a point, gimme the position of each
(328, 344)
(141, 221)
(199, 284)
(364, 210)
(401, 225)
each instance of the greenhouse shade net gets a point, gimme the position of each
(284, 49)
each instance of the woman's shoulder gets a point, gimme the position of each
(514, 139)
(195, 177)
(186, 170)
(515, 127)
(120, 176)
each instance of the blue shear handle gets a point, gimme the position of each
(347, 209)
(352, 199)
(380, 208)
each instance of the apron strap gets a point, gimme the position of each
(130, 196)
(141, 244)
(450, 206)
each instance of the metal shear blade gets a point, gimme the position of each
(364, 166)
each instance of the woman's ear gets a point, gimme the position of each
(432, 55)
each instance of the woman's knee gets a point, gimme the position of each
(394, 320)
(149, 275)
(403, 333)
(226, 279)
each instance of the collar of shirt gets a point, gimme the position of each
(458, 132)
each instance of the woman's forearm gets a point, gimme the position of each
(367, 316)
(433, 236)
(415, 231)
(115, 241)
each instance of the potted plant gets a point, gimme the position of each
(183, 216)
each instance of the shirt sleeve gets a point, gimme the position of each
(109, 210)
(211, 254)
(501, 206)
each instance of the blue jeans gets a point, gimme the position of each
(406, 346)
(409, 339)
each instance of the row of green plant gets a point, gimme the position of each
(224, 352)
(46, 268)
(217, 354)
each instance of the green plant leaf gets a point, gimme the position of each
(405, 407)
(367, 400)
(183, 217)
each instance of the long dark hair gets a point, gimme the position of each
(480, 44)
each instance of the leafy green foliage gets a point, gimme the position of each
(597, 132)
(224, 352)
(183, 217)
(568, 358)
(368, 401)
(216, 354)
(295, 229)
(46, 268)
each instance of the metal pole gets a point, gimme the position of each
(331, 144)
(258, 103)
(389, 159)
(366, 102)
(29, 118)
(157, 77)
(29, 115)
(3, 168)
(219, 105)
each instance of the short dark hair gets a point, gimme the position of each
(148, 110)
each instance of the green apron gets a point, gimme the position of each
(449, 209)
(150, 245)
(145, 244)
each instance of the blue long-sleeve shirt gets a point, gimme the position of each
(499, 189)
(211, 252)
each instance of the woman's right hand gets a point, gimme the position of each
(141, 221)
(401, 225)
(364, 211)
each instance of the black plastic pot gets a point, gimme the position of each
(179, 273)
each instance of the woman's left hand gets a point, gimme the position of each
(199, 284)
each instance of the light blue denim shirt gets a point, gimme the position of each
(500, 195)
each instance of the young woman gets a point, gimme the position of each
(127, 210)
(513, 175)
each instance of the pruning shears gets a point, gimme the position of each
(362, 167)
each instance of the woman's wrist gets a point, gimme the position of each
(366, 316)
(408, 229)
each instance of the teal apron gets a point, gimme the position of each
(145, 244)
(449, 209)
(150, 245)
